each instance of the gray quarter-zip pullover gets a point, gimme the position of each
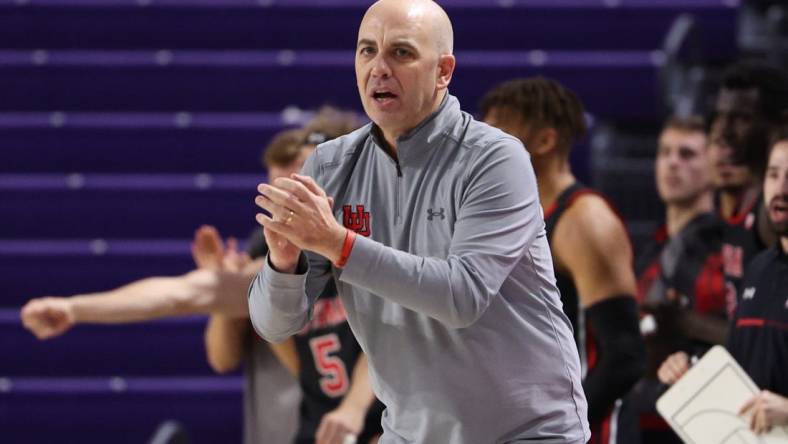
(449, 288)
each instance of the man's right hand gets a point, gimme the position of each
(283, 253)
(48, 317)
(673, 368)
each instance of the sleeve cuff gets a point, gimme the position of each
(362, 260)
(287, 291)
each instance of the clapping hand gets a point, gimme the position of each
(301, 218)
(209, 251)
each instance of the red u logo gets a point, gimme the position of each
(357, 221)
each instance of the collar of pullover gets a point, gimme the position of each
(424, 136)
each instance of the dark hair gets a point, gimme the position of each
(284, 148)
(779, 135)
(689, 124)
(770, 82)
(543, 103)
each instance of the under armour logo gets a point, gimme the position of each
(433, 214)
(749, 293)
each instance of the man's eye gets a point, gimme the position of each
(399, 52)
(367, 50)
(686, 153)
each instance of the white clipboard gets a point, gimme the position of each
(702, 407)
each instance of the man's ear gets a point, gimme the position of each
(446, 65)
(544, 141)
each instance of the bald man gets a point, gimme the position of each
(437, 246)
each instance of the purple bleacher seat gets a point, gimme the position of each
(107, 206)
(172, 346)
(34, 268)
(518, 24)
(103, 410)
(613, 84)
(56, 142)
(101, 180)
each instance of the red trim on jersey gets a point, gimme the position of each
(760, 322)
(578, 194)
(661, 235)
(737, 219)
(583, 192)
(710, 287)
(741, 216)
(610, 205)
(601, 433)
(603, 197)
(592, 355)
(647, 277)
(646, 280)
(551, 209)
(326, 313)
(605, 435)
(750, 322)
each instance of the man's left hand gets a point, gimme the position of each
(768, 410)
(301, 212)
(338, 424)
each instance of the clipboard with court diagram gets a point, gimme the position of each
(702, 407)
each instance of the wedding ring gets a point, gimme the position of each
(289, 218)
(349, 439)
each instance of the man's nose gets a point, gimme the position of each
(672, 160)
(723, 126)
(725, 150)
(728, 127)
(380, 68)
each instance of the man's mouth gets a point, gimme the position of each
(738, 153)
(725, 168)
(672, 179)
(382, 95)
(779, 209)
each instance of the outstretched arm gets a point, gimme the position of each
(200, 291)
(142, 300)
